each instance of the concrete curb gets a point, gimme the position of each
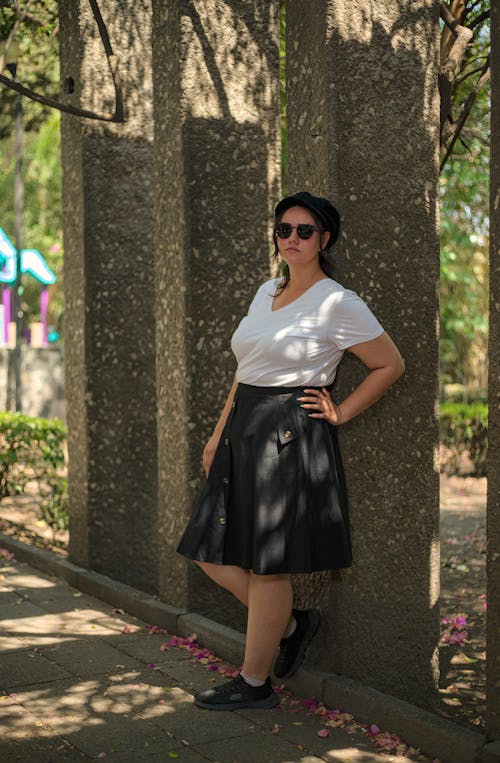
(135, 602)
(448, 741)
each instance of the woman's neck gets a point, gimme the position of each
(302, 278)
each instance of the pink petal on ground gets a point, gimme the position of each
(374, 729)
(126, 629)
(151, 665)
(323, 733)
(164, 647)
(215, 668)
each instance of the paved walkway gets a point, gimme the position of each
(81, 681)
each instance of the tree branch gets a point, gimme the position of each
(466, 76)
(479, 19)
(448, 18)
(454, 41)
(118, 115)
(456, 127)
(66, 107)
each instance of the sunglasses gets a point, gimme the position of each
(304, 230)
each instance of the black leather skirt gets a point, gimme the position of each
(275, 500)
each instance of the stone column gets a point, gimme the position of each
(216, 81)
(363, 115)
(109, 292)
(493, 506)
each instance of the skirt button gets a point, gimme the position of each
(226, 441)
(226, 480)
(288, 433)
(222, 520)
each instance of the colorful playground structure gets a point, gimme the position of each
(34, 264)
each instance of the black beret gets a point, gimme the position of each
(324, 210)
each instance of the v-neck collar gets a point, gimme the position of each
(296, 298)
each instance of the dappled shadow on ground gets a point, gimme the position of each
(82, 680)
(463, 587)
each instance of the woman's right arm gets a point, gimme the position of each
(211, 446)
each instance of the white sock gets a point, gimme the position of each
(251, 681)
(290, 629)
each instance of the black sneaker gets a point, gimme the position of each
(293, 649)
(237, 694)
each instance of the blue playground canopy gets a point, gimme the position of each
(32, 262)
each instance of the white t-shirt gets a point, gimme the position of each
(301, 343)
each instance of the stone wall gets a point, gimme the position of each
(363, 117)
(109, 295)
(42, 381)
(217, 177)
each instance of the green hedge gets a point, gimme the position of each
(464, 431)
(32, 448)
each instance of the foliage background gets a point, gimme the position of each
(463, 188)
(38, 68)
(464, 201)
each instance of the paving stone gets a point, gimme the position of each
(9, 597)
(9, 643)
(40, 751)
(19, 609)
(145, 647)
(39, 624)
(24, 579)
(190, 675)
(26, 738)
(89, 657)
(18, 668)
(90, 720)
(245, 749)
(65, 597)
(339, 746)
(172, 709)
(71, 702)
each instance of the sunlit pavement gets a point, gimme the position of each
(80, 680)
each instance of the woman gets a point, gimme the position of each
(275, 500)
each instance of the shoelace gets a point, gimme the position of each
(229, 688)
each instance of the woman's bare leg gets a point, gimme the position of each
(269, 607)
(234, 579)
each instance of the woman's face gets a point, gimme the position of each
(295, 250)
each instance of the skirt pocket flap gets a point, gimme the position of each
(286, 433)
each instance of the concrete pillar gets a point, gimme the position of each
(363, 115)
(216, 82)
(109, 292)
(493, 506)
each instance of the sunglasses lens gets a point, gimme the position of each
(283, 230)
(305, 231)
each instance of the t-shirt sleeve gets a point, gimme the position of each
(352, 321)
